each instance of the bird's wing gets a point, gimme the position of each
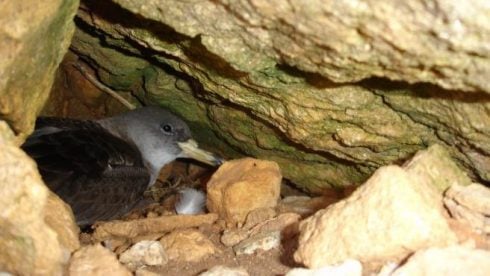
(99, 175)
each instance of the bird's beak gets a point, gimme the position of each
(190, 149)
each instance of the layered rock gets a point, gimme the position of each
(34, 36)
(273, 79)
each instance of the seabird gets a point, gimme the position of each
(101, 168)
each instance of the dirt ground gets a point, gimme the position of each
(277, 261)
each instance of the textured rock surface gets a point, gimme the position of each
(140, 227)
(470, 205)
(34, 36)
(454, 260)
(28, 245)
(435, 167)
(96, 260)
(388, 217)
(241, 186)
(187, 246)
(59, 217)
(347, 268)
(262, 241)
(144, 253)
(271, 85)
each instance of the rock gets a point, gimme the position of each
(286, 224)
(435, 166)
(454, 260)
(241, 186)
(144, 253)
(321, 133)
(187, 246)
(468, 235)
(347, 268)
(470, 205)
(388, 217)
(96, 260)
(264, 241)
(140, 227)
(257, 216)
(29, 245)
(231, 237)
(34, 36)
(59, 217)
(225, 271)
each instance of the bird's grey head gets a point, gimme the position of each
(159, 135)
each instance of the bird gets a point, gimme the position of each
(101, 168)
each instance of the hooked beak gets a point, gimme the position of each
(190, 149)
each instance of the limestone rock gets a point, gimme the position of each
(96, 260)
(140, 227)
(435, 166)
(454, 260)
(286, 224)
(470, 205)
(375, 50)
(267, 68)
(257, 216)
(388, 217)
(34, 36)
(59, 217)
(225, 271)
(264, 241)
(187, 246)
(241, 186)
(347, 268)
(29, 246)
(144, 253)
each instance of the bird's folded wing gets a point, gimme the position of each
(95, 172)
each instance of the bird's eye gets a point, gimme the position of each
(167, 129)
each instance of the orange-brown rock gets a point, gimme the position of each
(243, 185)
(187, 245)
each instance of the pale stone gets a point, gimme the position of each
(286, 224)
(187, 246)
(34, 36)
(470, 205)
(225, 271)
(58, 215)
(241, 186)
(450, 261)
(96, 260)
(388, 217)
(347, 268)
(264, 241)
(475, 196)
(28, 245)
(144, 253)
(435, 166)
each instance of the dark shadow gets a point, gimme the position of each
(425, 90)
